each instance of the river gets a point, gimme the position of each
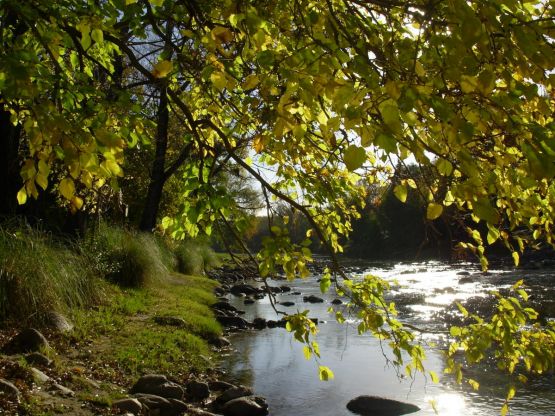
(273, 363)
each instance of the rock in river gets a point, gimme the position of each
(245, 406)
(313, 299)
(379, 406)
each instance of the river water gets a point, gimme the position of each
(273, 363)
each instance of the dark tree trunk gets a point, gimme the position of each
(157, 175)
(10, 180)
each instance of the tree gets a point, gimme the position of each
(331, 95)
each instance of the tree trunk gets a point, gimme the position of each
(157, 176)
(10, 180)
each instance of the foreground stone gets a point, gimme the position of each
(233, 393)
(8, 389)
(197, 390)
(161, 405)
(379, 406)
(245, 406)
(232, 321)
(128, 405)
(28, 340)
(158, 385)
(58, 322)
(36, 358)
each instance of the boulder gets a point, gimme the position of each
(244, 289)
(244, 406)
(218, 385)
(313, 299)
(197, 390)
(232, 321)
(287, 303)
(336, 302)
(233, 393)
(224, 306)
(36, 358)
(130, 405)
(58, 322)
(259, 323)
(28, 340)
(379, 406)
(170, 321)
(161, 405)
(158, 385)
(8, 389)
(38, 376)
(285, 289)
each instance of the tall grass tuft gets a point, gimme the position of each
(39, 274)
(194, 257)
(129, 258)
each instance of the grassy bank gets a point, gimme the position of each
(134, 302)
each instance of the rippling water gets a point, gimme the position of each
(273, 363)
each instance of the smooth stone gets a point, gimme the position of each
(224, 306)
(276, 324)
(220, 342)
(157, 405)
(244, 289)
(28, 340)
(287, 303)
(36, 358)
(249, 301)
(128, 405)
(158, 385)
(259, 323)
(285, 289)
(379, 406)
(296, 293)
(193, 411)
(170, 321)
(233, 393)
(197, 390)
(218, 385)
(38, 376)
(8, 389)
(243, 406)
(58, 322)
(313, 299)
(63, 391)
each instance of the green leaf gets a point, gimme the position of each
(162, 69)
(354, 157)
(325, 284)
(434, 211)
(97, 35)
(219, 80)
(400, 192)
(444, 167)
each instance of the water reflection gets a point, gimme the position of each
(274, 365)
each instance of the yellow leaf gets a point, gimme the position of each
(434, 377)
(41, 180)
(222, 34)
(67, 188)
(77, 202)
(325, 373)
(128, 2)
(258, 144)
(162, 69)
(22, 196)
(516, 258)
(250, 82)
(434, 211)
(468, 84)
(219, 80)
(400, 192)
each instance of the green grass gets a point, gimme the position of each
(40, 274)
(194, 257)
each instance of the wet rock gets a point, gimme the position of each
(220, 342)
(219, 291)
(163, 406)
(233, 393)
(58, 322)
(224, 306)
(244, 406)
(259, 296)
(404, 299)
(28, 340)
(465, 280)
(285, 289)
(232, 321)
(248, 301)
(379, 406)
(38, 376)
(287, 303)
(36, 358)
(296, 293)
(337, 302)
(158, 385)
(217, 385)
(259, 323)
(197, 390)
(244, 289)
(170, 321)
(130, 405)
(313, 299)
(61, 390)
(8, 389)
(276, 324)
